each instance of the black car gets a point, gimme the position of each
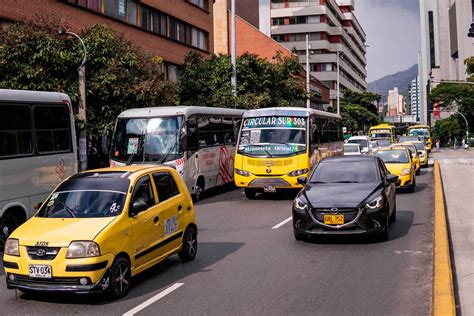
(346, 195)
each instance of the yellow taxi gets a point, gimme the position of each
(414, 153)
(422, 153)
(399, 162)
(100, 228)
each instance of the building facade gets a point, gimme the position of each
(445, 45)
(164, 28)
(414, 98)
(395, 103)
(334, 33)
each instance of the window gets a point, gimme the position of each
(109, 8)
(15, 130)
(313, 19)
(52, 128)
(144, 192)
(165, 186)
(279, 38)
(192, 134)
(131, 12)
(228, 134)
(204, 4)
(146, 19)
(209, 131)
(326, 67)
(297, 19)
(278, 21)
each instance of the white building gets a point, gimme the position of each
(444, 45)
(396, 103)
(333, 31)
(414, 96)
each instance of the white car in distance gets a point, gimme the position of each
(352, 150)
(363, 141)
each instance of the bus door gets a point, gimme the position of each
(209, 140)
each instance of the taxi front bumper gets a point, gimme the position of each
(404, 181)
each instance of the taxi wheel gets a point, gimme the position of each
(250, 193)
(189, 248)
(411, 189)
(418, 171)
(120, 278)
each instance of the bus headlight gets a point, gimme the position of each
(297, 173)
(242, 172)
(12, 247)
(406, 171)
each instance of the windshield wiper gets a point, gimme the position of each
(163, 159)
(318, 182)
(346, 181)
(263, 147)
(66, 208)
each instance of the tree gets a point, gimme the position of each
(358, 111)
(447, 130)
(119, 76)
(368, 100)
(260, 83)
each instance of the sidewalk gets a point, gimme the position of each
(457, 171)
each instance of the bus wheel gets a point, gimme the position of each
(250, 193)
(199, 189)
(9, 224)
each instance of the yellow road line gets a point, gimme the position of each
(443, 292)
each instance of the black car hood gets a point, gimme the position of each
(340, 195)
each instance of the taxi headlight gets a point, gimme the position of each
(300, 204)
(406, 171)
(242, 172)
(12, 247)
(83, 249)
(296, 173)
(375, 204)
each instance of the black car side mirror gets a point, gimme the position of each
(302, 180)
(420, 153)
(138, 207)
(391, 178)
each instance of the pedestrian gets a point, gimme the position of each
(437, 143)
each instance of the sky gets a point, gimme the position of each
(393, 34)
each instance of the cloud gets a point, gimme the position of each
(393, 33)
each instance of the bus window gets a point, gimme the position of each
(15, 131)
(228, 134)
(52, 128)
(192, 133)
(209, 131)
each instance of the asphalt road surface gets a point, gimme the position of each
(248, 263)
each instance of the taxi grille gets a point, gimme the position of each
(349, 213)
(42, 253)
(26, 280)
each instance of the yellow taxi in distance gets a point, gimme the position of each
(398, 161)
(422, 153)
(414, 153)
(100, 228)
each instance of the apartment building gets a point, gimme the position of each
(414, 98)
(396, 103)
(169, 29)
(333, 31)
(445, 45)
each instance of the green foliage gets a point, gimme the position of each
(119, 76)
(364, 99)
(448, 129)
(260, 83)
(358, 111)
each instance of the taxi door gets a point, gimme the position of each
(172, 205)
(145, 224)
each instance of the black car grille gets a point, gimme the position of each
(42, 253)
(26, 280)
(349, 213)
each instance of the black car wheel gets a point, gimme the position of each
(199, 190)
(418, 171)
(250, 193)
(393, 217)
(189, 248)
(120, 278)
(384, 235)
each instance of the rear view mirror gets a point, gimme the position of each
(138, 207)
(420, 153)
(302, 180)
(391, 178)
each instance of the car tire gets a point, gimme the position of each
(418, 172)
(250, 193)
(120, 278)
(8, 225)
(299, 236)
(199, 189)
(385, 234)
(411, 189)
(393, 217)
(190, 245)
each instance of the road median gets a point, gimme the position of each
(443, 289)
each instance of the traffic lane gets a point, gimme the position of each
(274, 274)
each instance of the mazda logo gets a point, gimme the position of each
(40, 252)
(334, 210)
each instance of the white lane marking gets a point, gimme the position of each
(282, 223)
(153, 299)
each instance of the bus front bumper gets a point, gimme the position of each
(268, 183)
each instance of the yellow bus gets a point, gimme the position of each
(276, 146)
(421, 130)
(382, 131)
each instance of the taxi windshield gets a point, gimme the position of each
(394, 156)
(87, 196)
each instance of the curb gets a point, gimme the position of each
(443, 289)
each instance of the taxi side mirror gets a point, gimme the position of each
(137, 207)
(302, 180)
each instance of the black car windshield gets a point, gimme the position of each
(147, 139)
(88, 196)
(351, 148)
(394, 156)
(273, 136)
(346, 172)
(361, 142)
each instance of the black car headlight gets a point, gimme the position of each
(296, 173)
(242, 172)
(375, 204)
(300, 204)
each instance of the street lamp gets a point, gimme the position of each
(338, 53)
(232, 50)
(82, 103)
(308, 97)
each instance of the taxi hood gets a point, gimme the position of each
(59, 232)
(396, 168)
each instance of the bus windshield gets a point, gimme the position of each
(273, 136)
(419, 132)
(147, 139)
(380, 133)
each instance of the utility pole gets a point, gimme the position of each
(308, 92)
(232, 50)
(337, 88)
(82, 103)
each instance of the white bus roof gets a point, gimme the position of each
(179, 110)
(32, 96)
(289, 111)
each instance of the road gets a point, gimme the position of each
(246, 267)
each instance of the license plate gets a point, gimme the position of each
(333, 219)
(40, 271)
(269, 189)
